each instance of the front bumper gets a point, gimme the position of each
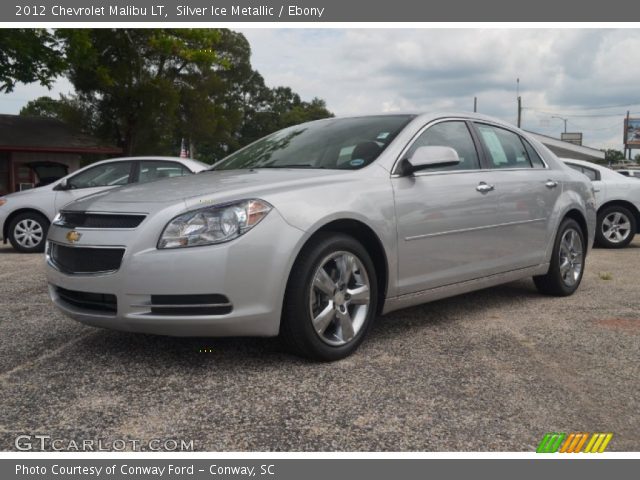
(250, 271)
(3, 219)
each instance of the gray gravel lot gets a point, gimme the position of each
(491, 370)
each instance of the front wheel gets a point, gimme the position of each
(331, 298)
(28, 232)
(567, 261)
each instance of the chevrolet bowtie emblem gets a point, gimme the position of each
(73, 236)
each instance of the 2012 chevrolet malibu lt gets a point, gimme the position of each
(311, 232)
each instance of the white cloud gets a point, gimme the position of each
(562, 71)
(566, 72)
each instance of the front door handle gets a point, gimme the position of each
(484, 187)
(551, 184)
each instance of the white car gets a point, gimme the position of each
(617, 201)
(25, 216)
(628, 172)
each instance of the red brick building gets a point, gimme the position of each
(35, 144)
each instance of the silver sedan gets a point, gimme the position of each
(313, 231)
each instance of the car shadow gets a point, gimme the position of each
(9, 250)
(259, 353)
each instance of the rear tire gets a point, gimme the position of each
(28, 232)
(567, 262)
(331, 298)
(616, 227)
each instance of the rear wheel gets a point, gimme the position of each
(567, 261)
(616, 227)
(331, 298)
(28, 232)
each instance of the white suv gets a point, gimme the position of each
(25, 216)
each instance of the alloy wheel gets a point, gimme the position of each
(339, 300)
(616, 227)
(571, 257)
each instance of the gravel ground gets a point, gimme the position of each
(491, 370)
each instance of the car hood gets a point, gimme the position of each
(31, 192)
(214, 186)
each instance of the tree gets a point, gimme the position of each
(68, 109)
(146, 89)
(135, 78)
(28, 55)
(612, 155)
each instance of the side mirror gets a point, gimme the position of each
(426, 157)
(62, 185)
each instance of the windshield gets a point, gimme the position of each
(345, 143)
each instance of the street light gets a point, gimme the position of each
(564, 120)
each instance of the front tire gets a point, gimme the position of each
(616, 227)
(567, 262)
(331, 298)
(28, 232)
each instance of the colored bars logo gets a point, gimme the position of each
(573, 443)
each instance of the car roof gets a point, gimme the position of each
(189, 162)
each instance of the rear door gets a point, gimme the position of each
(526, 192)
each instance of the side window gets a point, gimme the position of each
(592, 174)
(107, 174)
(575, 167)
(453, 134)
(151, 170)
(505, 148)
(589, 172)
(533, 155)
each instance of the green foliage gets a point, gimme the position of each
(146, 89)
(613, 155)
(28, 55)
(67, 109)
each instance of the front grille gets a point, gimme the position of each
(186, 305)
(98, 220)
(101, 302)
(85, 260)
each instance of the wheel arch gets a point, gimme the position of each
(577, 215)
(364, 234)
(14, 214)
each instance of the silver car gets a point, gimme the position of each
(311, 232)
(25, 216)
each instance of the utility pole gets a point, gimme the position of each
(475, 104)
(519, 111)
(627, 148)
(519, 101)
(564, 120)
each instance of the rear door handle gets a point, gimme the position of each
(551, 184)
(484, 187)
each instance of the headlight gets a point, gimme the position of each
(2, 201)
(216, 224)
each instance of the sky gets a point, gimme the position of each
(587, 76)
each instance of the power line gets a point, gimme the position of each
(583, 115)
(600, 107)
